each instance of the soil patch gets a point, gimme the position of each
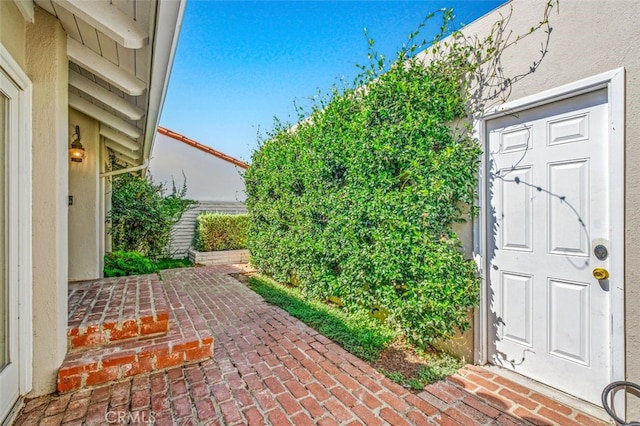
(400, 358)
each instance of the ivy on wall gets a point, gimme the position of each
(356, 203)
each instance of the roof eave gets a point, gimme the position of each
(169, 16)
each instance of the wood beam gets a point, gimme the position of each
(103, 116)
(26, 9)
(93, 89)
(124, 158)
(122, 150)
(109, 20)
(103, 68)
(118, 137)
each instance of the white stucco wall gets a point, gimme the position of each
(209, 178)
(85, 227)
(588, 38)
(47, 66)
(12, 31)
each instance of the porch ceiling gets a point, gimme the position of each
(115, 54)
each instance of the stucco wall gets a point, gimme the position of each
(589, 38)
(47, 66)
(85, 240)
(12, 31)
(209, 178)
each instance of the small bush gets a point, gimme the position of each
(143, 213)
(216, 231)
(123, 263)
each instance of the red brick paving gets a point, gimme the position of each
(113, 309)
(111, 324)
(269, 368)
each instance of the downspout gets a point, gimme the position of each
(130, 169)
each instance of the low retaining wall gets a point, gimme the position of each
(218, 257)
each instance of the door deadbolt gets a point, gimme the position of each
(601, 252)
(600, 274)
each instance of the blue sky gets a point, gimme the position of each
(240, 63)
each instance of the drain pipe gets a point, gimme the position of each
(130, 169)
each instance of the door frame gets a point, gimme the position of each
(614, 82)
(21, 176)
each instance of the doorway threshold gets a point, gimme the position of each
(559, 396)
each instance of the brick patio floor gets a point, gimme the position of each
(269, 368)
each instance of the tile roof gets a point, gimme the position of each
(201, 147)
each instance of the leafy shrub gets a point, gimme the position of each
(123, 263)
(357, 202)
(141, 215)
(216, 231)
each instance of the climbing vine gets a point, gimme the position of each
(356, 202)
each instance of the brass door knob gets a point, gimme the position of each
(600, 274)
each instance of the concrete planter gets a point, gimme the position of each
(218, 257)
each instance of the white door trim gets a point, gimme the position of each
(23, 178)
(614, 82)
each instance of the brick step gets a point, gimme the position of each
(84, 367)
(113, 332)
(116, 309)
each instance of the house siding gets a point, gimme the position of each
(183, 233)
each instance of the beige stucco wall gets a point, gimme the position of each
(209, 178)
(588, 38)
(12, 31)
(85, 223)
(47, 67)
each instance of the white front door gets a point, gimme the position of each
(549, 227)
(9, 355)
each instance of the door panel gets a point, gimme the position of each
(568, 236)
(9, 354)
(517, 308)
(569, 320)
(4, 288)
(517, 218)
(549, 198)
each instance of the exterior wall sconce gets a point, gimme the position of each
(76, 152)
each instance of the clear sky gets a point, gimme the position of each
(240, 63)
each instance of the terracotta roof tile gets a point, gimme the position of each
(209, 150)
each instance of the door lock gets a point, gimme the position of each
(600, 274)
(601, 252)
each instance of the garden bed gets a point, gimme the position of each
(221, 257)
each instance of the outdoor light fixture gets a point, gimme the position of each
(76, 152)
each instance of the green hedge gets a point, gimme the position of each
(357, 203)
(216, 231)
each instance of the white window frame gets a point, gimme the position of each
(22, 175)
